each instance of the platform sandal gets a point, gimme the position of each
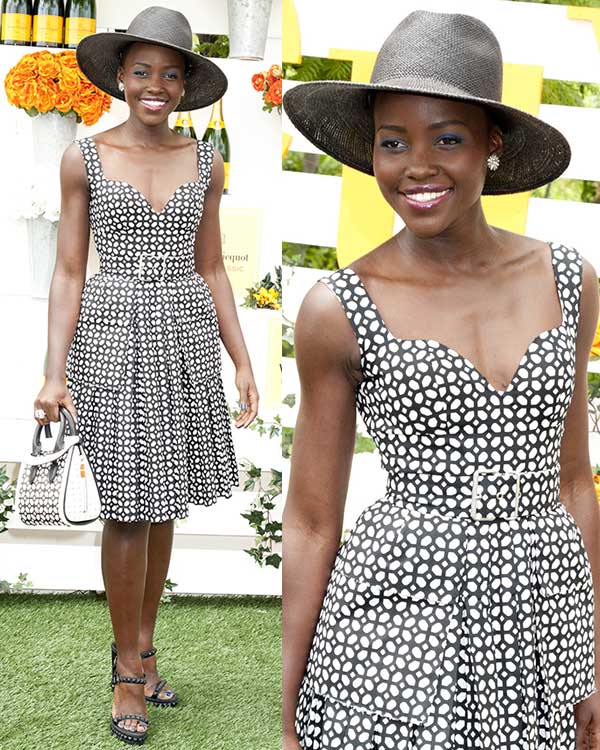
(130, 736)
(154, 699)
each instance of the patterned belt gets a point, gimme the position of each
(483, 495)
(153, 266)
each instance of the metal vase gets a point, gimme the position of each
(42, 235)
(52, 133)
(248, 27)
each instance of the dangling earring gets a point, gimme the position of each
(182, 93)
(121, 86)
(493, 162)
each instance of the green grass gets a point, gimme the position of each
(221, 655)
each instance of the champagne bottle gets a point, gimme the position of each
(80, 21)
(184, 125)
(216, 135)
(16, 22)
(48, 19)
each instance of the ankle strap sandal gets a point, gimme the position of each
(131, 736)
(172, 700)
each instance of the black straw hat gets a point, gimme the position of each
(99, 56)
(448, 55)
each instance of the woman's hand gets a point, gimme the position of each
(587, 718)
(53, 393)
(244, 381)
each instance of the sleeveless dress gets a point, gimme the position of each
(459, 612)
(144, 364)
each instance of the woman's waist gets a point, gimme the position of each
(148, 265)
(482, 493)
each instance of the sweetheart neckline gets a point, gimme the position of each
(138, 191)
(469, 363)
(143, 197)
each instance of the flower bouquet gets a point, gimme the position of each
(269, 83)
(52, 82)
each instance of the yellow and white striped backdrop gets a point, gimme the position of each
(538, 42)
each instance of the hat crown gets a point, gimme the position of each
(457, 50)
(163, 25)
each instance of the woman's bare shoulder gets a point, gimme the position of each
(323, 335)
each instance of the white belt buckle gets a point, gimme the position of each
(141, 264)
(476, 496)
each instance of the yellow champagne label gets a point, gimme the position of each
(77, 28)
(48, 29)
(16, 27)
(214, 123)
(226, 184)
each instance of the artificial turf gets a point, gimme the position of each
(221, 655)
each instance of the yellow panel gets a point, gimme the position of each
(586, 14)
(291, 49)
(365, 219)
(273, 375)
(522, 88)
(286, 142)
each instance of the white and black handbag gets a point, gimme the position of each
(56, 487)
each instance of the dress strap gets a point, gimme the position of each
(362, 314)
(205, 161)
(568, 268)
(93, 167)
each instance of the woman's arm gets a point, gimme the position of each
(68, 278)
(576, 481)
(209, 264)
(322, 452)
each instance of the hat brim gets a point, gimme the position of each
(335, 116)
(98, 57)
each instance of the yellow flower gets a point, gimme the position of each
(595, 352)
(597, 485)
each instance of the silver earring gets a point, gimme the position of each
(182, 93)
(493, 162)
(121, 86)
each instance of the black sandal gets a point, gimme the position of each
(154, 699)
(131, 736)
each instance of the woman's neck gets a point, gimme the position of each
(467, 244)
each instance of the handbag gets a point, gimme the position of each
(57, 487)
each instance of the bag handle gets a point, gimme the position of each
(65, 418)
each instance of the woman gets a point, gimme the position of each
(460, 611)
(140, 339)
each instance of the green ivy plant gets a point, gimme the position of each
(7, 496)
(22, 584)
(268, 532)
(167, 594)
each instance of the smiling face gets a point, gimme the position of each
(154, 80)
(430, 158)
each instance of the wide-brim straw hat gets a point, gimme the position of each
(99, 56)
(448, 55)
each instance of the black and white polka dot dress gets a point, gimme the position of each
(144, 365)
(459, 613)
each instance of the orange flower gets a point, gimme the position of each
(50, 81)
(274, 72)
(64, 101)
(69, 80)
(49, 67)
(275, 92)
(258, 81)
